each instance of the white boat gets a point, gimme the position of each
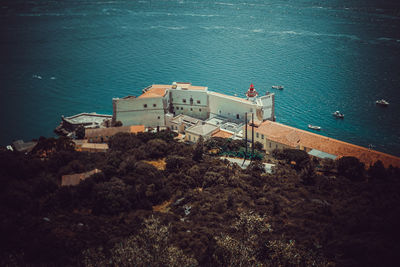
(314, 127)
(337, 114)
(382, 102)
(279, 87)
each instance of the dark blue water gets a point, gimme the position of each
(329, 55)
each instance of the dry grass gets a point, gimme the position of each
(159, 164)
(164, 207)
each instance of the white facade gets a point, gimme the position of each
(229, 106)
(150, 108)
(193, 103)
(140, 111)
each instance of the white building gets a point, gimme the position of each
(159, 101)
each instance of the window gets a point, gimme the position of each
(237, 116)
(181, 108)
(200, 109)
(194, 139)
(270, 144)
(257, 135)
(158, 117)
(191, 109)
(198, 101)
(191, 101)
(145, 105)
(262, 136)
(184, 100)
(154, 105)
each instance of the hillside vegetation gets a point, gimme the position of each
(193, 209)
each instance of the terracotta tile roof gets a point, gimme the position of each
(295, 137)
(156, 90)
(223, 134)
(74, 179)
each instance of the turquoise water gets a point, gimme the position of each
(66, 57)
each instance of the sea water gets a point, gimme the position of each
(66, 57)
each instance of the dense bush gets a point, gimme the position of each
(300, 157)
(198, 210)
(351, 168)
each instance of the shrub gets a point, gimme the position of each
(351, 168)
(377, 171)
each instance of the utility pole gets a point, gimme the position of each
(252, 134)
(245, 123)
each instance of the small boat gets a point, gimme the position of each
(314, 127)
(337, 114)
(382, 102)
(279, 87)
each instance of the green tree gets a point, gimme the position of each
(117, 124)
(111, 197)
(351, 168)
(377, 171)
(198, 150)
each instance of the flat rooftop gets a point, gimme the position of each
(185, 118)
(235, 98)
(204, 129)
(156, 90)
(87, 118)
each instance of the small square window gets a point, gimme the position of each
(198, 101)
(158, 117)
(181, 108)
(184, 100)
(154, 105)
(191, 109)
(200, 109)
(145, 105)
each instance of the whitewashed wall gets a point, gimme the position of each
(194, 109)
(133, 111)
(229, 107)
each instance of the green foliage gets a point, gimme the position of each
(377, 171)
(300, 157)
(351, 168)
(123, 142)
(156, 148)
(209, 212)
(150, 248)
(117, 124)
(111, 197)
(198, 150)
(258, 146)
